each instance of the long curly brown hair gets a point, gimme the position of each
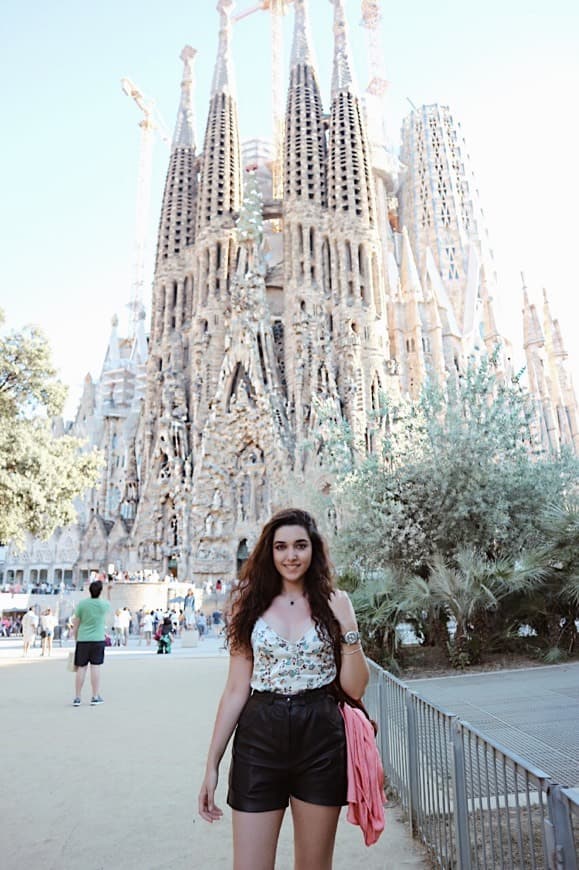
(260, 582)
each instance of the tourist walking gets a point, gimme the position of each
(135, 626)
(201, 624)
(118, 627)
(294, 647)
(29, 626)
(88, 626)
(147, 627)
(163, 636)
(47, 624)
(125, 624)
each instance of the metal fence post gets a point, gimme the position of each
(460, 805)
(412, 755)
(383, 720)
(562, 855)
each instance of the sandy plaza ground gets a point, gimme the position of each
(114, 787)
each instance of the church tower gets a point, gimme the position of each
(549, 381)
(306, 243)
(215, 248)
(360, 335)
(440, 208)
(163, 438)
(242, 461)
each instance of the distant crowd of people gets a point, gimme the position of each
(41, 627)
(141, 576)
(43, 588)
(159, 625)
(32, 627)
(147, 624)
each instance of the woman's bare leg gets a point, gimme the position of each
(255, 837)
(314, 835)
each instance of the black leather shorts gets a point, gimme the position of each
(288, 745)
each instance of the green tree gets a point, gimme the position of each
(470, 588)
(554, 612)
(378, 600)
(40, 474)
(459, 471)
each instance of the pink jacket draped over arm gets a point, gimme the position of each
(366, 796)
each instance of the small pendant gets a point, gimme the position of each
(292, 603)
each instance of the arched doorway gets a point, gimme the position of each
(242, 555)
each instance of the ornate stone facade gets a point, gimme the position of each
(363, 280)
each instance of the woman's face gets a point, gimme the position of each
(292, 552)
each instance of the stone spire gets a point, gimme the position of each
(552, 330)
(342, 76)
(177, 222)
(532, 332)
(139, 352)
(559, 381)
(113, 352)
(558, 346)
(223, 81)
(220, 180)
(184, 136)
(301, 49)
(305, 143)
(491, 330)
(350, 187)
(412, 297)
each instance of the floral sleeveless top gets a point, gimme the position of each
(280, 665)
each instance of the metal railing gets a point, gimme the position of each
(474, 803)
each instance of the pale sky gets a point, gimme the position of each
(508, 69)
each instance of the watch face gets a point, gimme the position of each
(351, 637)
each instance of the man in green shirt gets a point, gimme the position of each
(88, 626)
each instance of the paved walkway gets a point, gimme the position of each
(533, 711)
(115, 787)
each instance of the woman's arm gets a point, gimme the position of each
(354, 671)
(232, 702)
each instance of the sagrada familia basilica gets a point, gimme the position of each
(321, 283)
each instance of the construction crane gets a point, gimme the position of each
(384, 158)
(372, 21)
(378, 85)
(277, 9)
(150, 124)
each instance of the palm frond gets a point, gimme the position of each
(570, 590)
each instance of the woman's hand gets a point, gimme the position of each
(342, 608)
(208, 810)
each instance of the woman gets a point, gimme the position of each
(164, 636)
(47, 624)
(147, 627)
(29, 625)
(118, 627)
(291, 638)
